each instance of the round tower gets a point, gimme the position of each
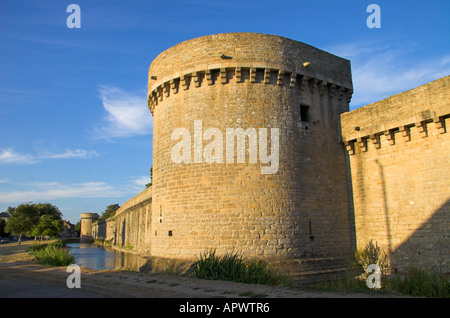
(247, 154)
(86, 225)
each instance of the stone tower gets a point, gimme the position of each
(86, 225)
(287, 97)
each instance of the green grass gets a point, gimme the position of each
(37, 247)
(419, 282)
(128, 247)
(415, 282)
(52, 254)
(103, 242)
(232, 267)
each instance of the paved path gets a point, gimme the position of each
(20, 289)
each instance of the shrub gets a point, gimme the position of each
(37, 247)
(52, 254)
(371, 254)
(232, 267)
(418, 282)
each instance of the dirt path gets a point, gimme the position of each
(17, 266)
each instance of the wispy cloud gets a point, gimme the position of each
(56, 190)
(126, 114)
(141, 181)
(69, 153)
(380, 69)
(9, 155)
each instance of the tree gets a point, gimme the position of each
(78, 227)
(48, 209)
(48, 225)
(26, 219)
(2, 228)
(151, 178)
(22, 220)
(110, 211)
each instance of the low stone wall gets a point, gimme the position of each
(130, 227)
(104, 229)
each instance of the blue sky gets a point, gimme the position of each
(75, 129)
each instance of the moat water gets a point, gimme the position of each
(97, 257)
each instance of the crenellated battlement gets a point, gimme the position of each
(422, 125)
(89, 216)
(404, 117)
(258, 73)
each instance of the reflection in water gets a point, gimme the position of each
(98, 258)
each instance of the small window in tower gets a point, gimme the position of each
(304, 113)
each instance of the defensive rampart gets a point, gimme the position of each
(399, 152)
(249, 81)
(380, 172)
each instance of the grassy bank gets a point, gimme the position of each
(415, 282)
(52, 254)
(232, 267)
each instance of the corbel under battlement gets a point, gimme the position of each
(362, 139)
(280, 75)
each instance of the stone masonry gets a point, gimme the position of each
(343, 178)
(399, 153)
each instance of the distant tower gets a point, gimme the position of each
(86, 225)
(249, 80)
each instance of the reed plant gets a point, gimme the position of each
(414, 282)
(52, 254)
(233, 267)
(420, 282)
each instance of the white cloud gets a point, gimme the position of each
(69, 153)
(383, 69)
(357, 49)
(142, 181)
(56, 190)
(9, 155)
(4, 180)
(127, 114)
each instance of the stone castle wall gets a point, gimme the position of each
(87, 229)
(344, 178)
(250, 81)
(131, 225)
(399, 152)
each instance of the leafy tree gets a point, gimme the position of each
(151, 178)
(26, 219)
(78, 227)
(48, 225)
(48, 209)
(10, 210)
(22, 220)
(3, 223)
(110, 211)
(2, 228)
